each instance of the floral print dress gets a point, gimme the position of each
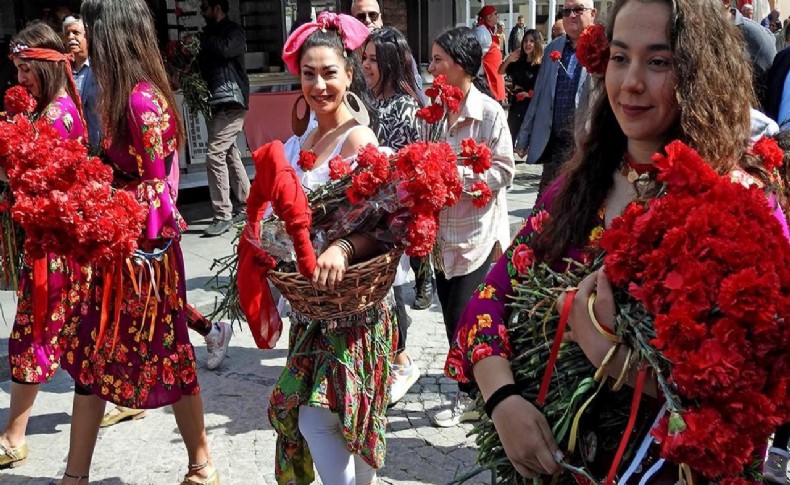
(132, 346)
(35, 349)
(342, 365)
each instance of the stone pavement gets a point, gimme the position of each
(149, 451)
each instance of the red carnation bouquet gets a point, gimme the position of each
(60, 197)
(710, 265)
(702, 290)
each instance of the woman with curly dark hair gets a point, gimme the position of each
(661, 84)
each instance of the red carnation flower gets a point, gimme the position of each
(477, 156)
(593, 49)
(555, 56)
(307, 160)
(18, 100)
(338, 168)
(431, 114)
(768, 150)
(481, 194)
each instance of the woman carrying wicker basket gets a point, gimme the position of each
(329, 404)
(658, 82)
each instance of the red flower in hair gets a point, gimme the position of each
(593, 49)
(768, 150)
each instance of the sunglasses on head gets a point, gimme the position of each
(566, 12)
(373, 16)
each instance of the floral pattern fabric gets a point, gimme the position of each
(132, 345)
(35, 358)
(482, 330)
(344, 366)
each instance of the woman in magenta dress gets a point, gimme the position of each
(35, 345)
(132, 346)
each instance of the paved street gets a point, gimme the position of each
(149, 451)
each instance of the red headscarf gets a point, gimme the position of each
(21, 51)
(485, 12)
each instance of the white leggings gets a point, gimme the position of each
(335, 464)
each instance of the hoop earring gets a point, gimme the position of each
(299, 125)
(357, 108)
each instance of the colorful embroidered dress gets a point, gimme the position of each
(132, 346)
(342, 365)
(34, 351)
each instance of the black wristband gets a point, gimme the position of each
(500, 395)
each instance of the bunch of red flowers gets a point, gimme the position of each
(62, 198)
(426, 180)
(709, 262)
(446, 98)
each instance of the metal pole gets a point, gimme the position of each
(468, 14)
(552, 17)
(510, 18)
(533, 14)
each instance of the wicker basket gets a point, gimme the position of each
(363, 286)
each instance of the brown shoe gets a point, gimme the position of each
(120, 413)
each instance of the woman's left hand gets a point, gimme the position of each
(330, 268)
(582, 330)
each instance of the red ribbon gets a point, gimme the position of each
(618, 457)
(555, 348)
(40, 296)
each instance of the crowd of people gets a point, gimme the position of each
(362, 87)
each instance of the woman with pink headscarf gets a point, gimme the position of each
(330, 402)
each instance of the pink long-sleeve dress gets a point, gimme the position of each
(132, 347)
(35, 358)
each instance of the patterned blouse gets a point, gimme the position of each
(398, 121)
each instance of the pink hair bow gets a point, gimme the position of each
(352, 32)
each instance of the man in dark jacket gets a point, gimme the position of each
(222, 47)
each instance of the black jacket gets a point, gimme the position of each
(222, 49)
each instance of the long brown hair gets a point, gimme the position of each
(537, 51)
(123, 53)
(52, 76)
(714, 94)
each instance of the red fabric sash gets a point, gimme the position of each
(40, 297)
(276, 183)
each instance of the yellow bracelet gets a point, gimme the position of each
(601, 372)
(624, 371)
(608, 334)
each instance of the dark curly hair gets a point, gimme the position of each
(714, 94)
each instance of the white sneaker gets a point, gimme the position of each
(217, 344)
(405, 377)
(775, 469)
(461, 409)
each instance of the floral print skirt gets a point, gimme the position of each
(132, 347)
(34, 353)
(342, 365)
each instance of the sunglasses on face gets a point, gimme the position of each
(373, 16)
(566, 12)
